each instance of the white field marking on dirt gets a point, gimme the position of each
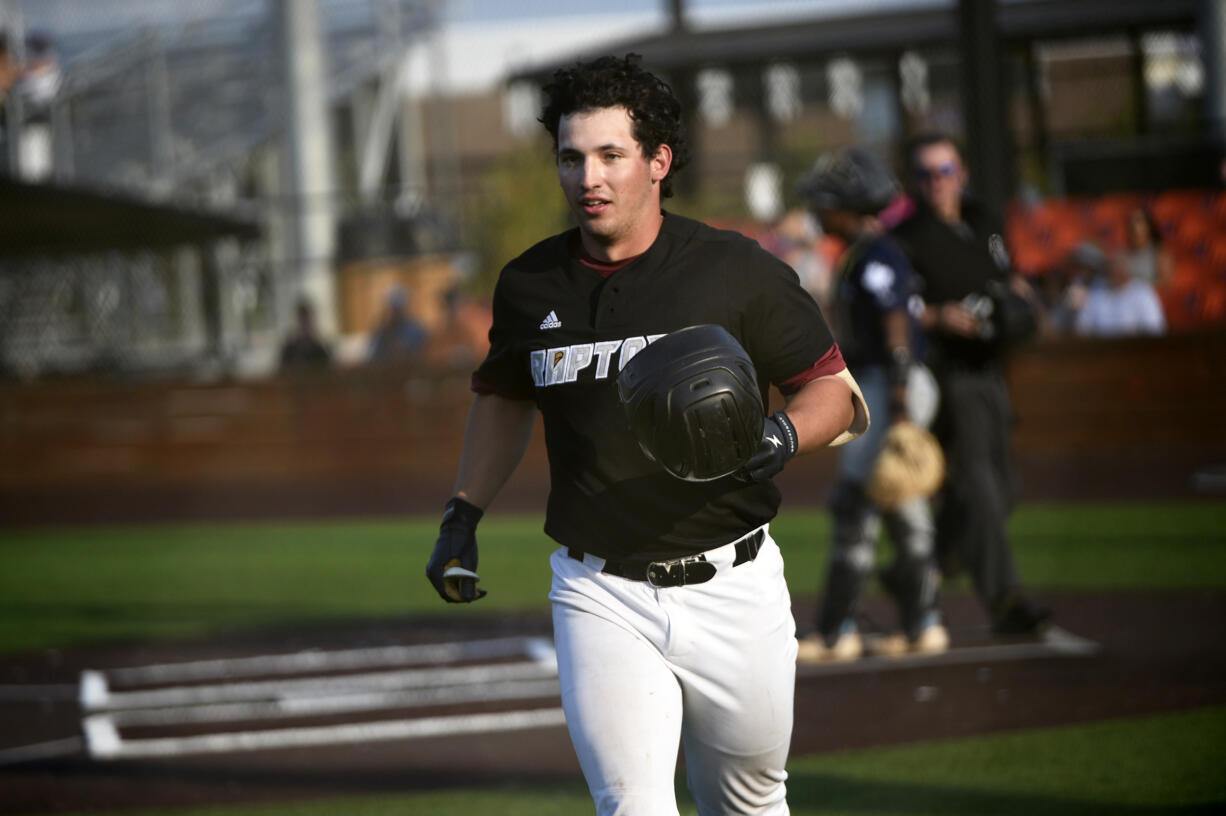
(107, 710)
(1056, 642)
(310, 660)
(104, 741)
(312, 706)
(95, 692)
(256, 690)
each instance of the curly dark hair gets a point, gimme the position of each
(612, 82)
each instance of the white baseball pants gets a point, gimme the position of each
(711, 665)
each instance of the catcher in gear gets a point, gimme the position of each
(876, 302)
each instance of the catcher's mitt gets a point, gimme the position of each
(911, 464)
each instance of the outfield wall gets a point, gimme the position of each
(1096, 419)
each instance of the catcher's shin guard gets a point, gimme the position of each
(914, 585)
(913, 579)
(856, 528)
(843, 586)
(912, 529)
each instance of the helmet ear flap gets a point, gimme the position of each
(691, 399)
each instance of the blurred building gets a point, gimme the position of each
(344, 132)
(1093, 96)
(290, 118)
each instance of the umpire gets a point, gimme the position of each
(957, 250)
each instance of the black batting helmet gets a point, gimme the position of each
(852, 179)
(692, 401)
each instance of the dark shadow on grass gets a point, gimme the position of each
(304, 777)
(834, 793)
(175, 626)
(145, 784)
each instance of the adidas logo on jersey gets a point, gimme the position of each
(551, 321)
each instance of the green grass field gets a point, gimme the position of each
(69, 587)
(1154, 765)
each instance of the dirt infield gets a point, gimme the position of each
(1132, 654)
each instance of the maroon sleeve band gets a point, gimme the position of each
(481, 386)
(830, 363)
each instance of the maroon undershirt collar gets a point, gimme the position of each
(604, 268)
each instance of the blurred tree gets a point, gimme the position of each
(519, 204)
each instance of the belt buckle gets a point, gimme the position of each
(661, 574)
(666, 573)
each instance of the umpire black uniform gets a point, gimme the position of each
(962, 263)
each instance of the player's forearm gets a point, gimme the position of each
(823, 410)
(495, 440)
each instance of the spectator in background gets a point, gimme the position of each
(41, 78)
(303, 350)
(1120, 305)
(41, 75)
(1065, 287)
(958, 252)
(464, 340)
(796, 243)
(10, 72)
(398, 336)
(1148, 260)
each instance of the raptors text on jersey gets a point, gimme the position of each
(563, 365)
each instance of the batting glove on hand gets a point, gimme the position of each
(452, 566)
(778, 445)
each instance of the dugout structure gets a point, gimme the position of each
(103, 281)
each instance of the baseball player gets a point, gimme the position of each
(875, 300)
(671, 616)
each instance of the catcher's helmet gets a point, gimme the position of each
(853, 180)
(693, 404)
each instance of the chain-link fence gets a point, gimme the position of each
(184, 103)
(133, 312)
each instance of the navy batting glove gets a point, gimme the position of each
(452, 568)
(778, 445)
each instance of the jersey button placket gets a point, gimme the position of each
(612, 309)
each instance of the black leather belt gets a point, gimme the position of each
(690, 569)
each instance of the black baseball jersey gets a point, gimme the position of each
(562, 332)
(954, 262)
